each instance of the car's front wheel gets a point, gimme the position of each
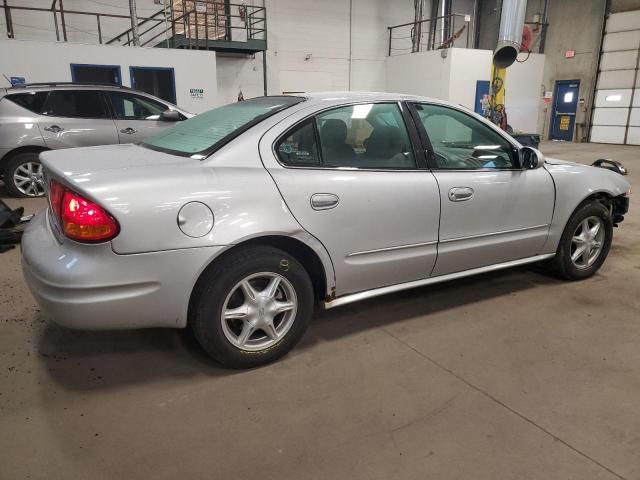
(585, 242)
(23, 175)
(252, 306)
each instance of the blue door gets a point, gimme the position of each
(565, 104)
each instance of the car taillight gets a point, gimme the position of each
(79, 218)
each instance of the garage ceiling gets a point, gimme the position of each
(616, 113)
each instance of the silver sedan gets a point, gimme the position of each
(236, 222)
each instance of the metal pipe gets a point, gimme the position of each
(350, 43)
(64, 24)
(7, 16)
(543, 32)
(99, 30)
(510, 34)
(134, 22)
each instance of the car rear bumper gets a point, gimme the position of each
(91, 287)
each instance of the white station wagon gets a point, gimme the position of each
(236, 222)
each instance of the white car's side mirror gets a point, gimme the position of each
(531, 158)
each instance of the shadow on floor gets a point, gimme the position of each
(80, 360)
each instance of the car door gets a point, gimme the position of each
(76, 118)
(493, 211)
(351, 177)
(137, 117)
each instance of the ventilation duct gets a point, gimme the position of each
(510, 34)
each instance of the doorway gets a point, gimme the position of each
(565, 105)
(103, 74)
(158, 81)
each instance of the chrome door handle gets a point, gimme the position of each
(54, 129)
(324, 201)
(460, 194)
(129, 131)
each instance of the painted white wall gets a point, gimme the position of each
(193, 69)
(454, 79)
(297, 28)
(421, 73)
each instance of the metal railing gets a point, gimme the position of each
(430, 34)
(197, 22)
(200, 21)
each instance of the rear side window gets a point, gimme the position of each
(76, 103)
(364, 136)
(298, 147)
(32, 101)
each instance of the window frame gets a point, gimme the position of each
(105, 102)
(409, 123)
(114, 114)
(430, 152)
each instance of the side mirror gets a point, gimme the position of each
(531, 158)
(170, 116)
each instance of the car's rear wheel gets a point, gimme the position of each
(23, 175)
(251, 307)
(585, 242)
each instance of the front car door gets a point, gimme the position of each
(76, 118)
(492, 210)
(351, 177)
(137, 117)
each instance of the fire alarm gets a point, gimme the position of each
(570, 53)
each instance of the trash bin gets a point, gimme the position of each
(529, 139)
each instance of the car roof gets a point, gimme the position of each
(342, 97)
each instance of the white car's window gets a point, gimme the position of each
(299, 147)
(76, 104)
(461, 142)
(370, 136)
(128, 106)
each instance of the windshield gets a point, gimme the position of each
(205, 133)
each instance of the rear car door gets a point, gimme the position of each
(351, 177)
(76, 118)
(493, 211)
(137, 117)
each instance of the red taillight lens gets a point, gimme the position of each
(80, 219)
(56, 192)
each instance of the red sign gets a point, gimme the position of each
(570, 53)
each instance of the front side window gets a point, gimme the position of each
(461, 142)
(127, 106)
(32, 101)
(76, 104)
(365, 136)
(204, 133)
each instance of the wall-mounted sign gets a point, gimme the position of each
(564, 122)
(196, 92)
(547, 97)
(17, 81)
(570, 53)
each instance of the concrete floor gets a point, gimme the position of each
(512, 375)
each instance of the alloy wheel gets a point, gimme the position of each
(259, 311)
(587, 242)
(28, 178)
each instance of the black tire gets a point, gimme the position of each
(217, 282)
(11, 165)
(561, 264)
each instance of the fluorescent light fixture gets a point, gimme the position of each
(361, 111)
(613, 98)
(487, 147)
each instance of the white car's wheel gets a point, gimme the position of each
(23, 175)
(252, 306)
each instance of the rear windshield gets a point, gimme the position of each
(209, 131)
